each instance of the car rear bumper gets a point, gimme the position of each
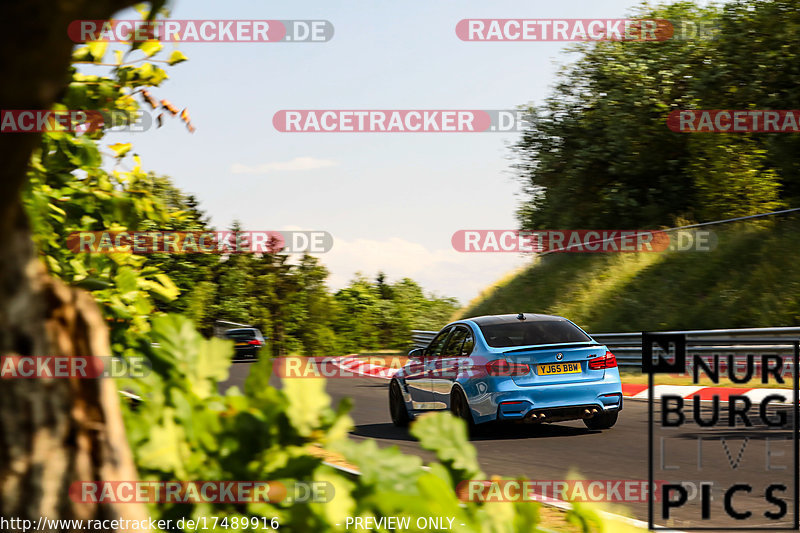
(246, 352)
(554, 414)
(510, 402)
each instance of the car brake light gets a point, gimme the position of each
(606, 361)
(255, 342)
(501, 367)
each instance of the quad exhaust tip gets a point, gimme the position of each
(539, 417)
(536, 417)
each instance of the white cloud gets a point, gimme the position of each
(293, 165)
(443, 271)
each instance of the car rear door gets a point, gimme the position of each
(445, 368)
(418, 372)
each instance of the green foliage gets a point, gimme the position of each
(599, 153)
(69, 190)
(731, 179)
(749, 280)
(447, 437)
(373, 315)
(291, 304)
(187, 430)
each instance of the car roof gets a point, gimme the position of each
(510, 319)
(240, 329)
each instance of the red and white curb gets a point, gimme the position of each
(363, 368)
(639, 392)
(360, 367)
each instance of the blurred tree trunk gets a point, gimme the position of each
(52, 431)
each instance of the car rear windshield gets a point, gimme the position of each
(531, 333)
(241, 334)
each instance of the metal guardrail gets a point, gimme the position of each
(627, 347)
(420, 338)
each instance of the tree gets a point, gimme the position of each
(51, 432)
(598, 153)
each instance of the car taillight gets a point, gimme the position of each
(501, 367)
(255, 342)
(606, 361)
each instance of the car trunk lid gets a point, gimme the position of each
(556, 363)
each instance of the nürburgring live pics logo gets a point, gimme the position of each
(700, 451)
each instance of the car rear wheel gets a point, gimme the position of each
(602, 420)
(397, 405)
(459, 406)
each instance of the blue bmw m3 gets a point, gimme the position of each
(526, 368)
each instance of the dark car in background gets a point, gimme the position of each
(247, 342)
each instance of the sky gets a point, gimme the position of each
(392, 201)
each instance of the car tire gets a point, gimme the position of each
(459, 406)
(602, 420)
(397, 405)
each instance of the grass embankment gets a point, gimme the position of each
(751, 279)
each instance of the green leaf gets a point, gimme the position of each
(176, 57)
(385, 468)
(185, 353)
(161, 451)
(342, 504)
(446, 435)
(151, 47)
(162, 287)
(120, 149)
(82, 54)
(126, 280)
(97, 49)
(52, 264)
(306, 400)
(93, 284)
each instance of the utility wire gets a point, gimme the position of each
(690, 226)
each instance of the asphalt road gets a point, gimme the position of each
(551, 451)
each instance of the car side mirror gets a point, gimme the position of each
(416, 353)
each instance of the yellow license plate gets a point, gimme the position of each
(559, 368)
